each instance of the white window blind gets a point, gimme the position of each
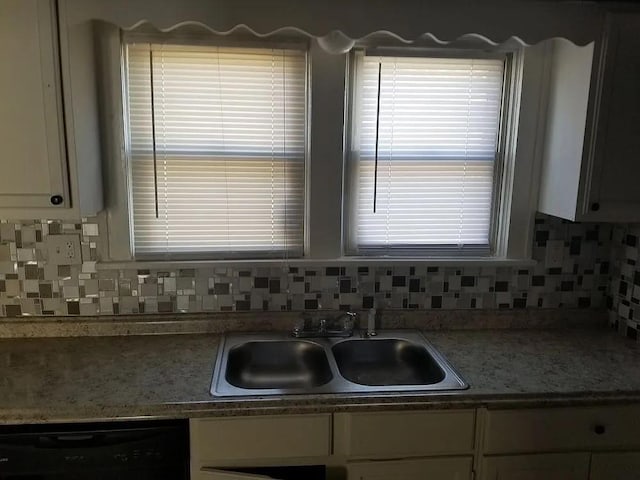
(216, 150)
(435, 122)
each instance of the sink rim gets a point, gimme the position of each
(452, 383)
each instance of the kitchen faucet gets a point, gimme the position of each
(341, 325)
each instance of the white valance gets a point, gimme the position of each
(494, 20)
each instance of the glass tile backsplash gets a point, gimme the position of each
(32, 285)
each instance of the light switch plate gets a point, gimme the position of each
(64, 249)
(554, 254)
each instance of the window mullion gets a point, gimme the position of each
(324, 232)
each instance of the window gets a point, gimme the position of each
(425, 154)
(216, 150)
(235, 148)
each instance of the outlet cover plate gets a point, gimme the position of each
(64, 249)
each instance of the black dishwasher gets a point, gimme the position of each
(143, 450)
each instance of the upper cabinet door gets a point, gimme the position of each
(614, 194)
(33, 164)
(592, 141)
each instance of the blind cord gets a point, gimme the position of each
(224, 143)
(375, 166)
(153, 131)
(284, 164)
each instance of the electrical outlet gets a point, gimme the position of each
(554, 254)
(64, 249)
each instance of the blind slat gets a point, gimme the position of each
(229, 144)
(437, 142)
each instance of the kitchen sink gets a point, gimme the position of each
(260, 364)
(386, 361)
(283, 364)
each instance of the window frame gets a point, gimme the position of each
(328, 111)
(509, 57)
(129, 38)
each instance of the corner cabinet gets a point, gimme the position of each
(589, 159)
(591, 443)
(47, 170)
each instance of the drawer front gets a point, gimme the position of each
(511, 431)
(451, 468)
(400, 434)
(221, 441)
(222, 475)
(553, 466)
(615, 466)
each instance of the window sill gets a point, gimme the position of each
(342, 261)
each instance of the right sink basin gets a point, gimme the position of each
(386, 361)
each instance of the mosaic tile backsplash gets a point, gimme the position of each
(32, 284)
(624, 299)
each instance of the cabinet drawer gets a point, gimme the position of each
(221, 441)
(509, 431)
(550, 466)
(615, 466)
(394, 434)
(451, 468)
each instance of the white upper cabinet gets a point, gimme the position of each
(42, 174)
(590, 169)
(31, 124)
(614, 193)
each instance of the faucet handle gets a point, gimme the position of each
(348, 321)
(322, 325)
(302, 323)
(299, 325)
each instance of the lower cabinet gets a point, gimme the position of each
(260, 440)
(586, 443)
(239, 448)
(561, 466)
(565, 443)
(454, 468)
(615, 466)
(379, 435)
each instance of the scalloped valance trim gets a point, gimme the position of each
(337, 42)
(493, 21)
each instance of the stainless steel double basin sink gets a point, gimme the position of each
(277, 364)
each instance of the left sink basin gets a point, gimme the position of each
(278, 364)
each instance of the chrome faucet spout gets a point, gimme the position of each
(371, 323)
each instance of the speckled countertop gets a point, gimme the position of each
(96, 378)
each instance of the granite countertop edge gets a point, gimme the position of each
(310, 405)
